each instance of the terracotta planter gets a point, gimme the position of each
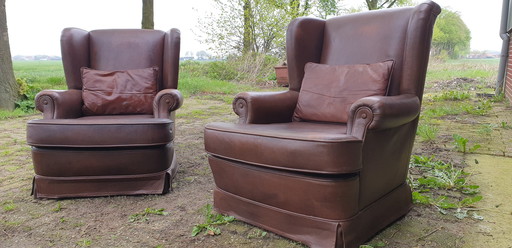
(282, 75)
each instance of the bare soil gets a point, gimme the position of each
(104, 221)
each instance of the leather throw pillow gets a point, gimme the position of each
(119, 92)
(328, 91)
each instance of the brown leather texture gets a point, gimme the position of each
(123, 145)
(122, 131)
(72, 187)
(119, 92)
(328, 91)
(294, 146)
(313, 231)
(307, 195)
(299, 179)
(107, 162)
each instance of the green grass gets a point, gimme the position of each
(50, 75)
(452, 95)
(194, 85)
(41, 74)
(5, 114)
(481, 69)
(427, 132)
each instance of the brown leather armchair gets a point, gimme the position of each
(328, 183)
(112, 131)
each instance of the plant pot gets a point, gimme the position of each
(282, 75)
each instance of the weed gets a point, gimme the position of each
(505, 125)
(12, 168)
(481, 108)
(442, 186)
(256, 233)
(452, 95)
(84, 243)
(461, 144)
(211, 221)
(8, 206)
(486, 129)
(427, 132)
(143, 216)
(57, 208)
(498, 98)
(78, 224)
(440, 111)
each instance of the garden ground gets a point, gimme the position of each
(121, 221)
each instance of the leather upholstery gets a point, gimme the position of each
(322, 183)
(79, 155)
(106, 92)
(328, 91)
(124, 131)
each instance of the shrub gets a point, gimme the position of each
(249, 68)
(26, 94)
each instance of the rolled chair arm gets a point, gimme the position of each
(59, 104)
(382, 112)
(265, 107)
(166, 101)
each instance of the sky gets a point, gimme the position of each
(34, 25)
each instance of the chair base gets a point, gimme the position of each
(318, 232)
(45, 187)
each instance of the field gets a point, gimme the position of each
(460, 173)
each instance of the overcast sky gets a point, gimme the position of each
(35, 25)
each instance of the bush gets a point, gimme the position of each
(26, 94)
(251, 68)
(223, 70)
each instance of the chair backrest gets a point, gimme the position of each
(400, 34)
(121, 49)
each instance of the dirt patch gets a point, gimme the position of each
(104, 221)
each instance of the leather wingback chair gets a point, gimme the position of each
(115, 147)
(328, 184)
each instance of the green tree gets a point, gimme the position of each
(382, 4)
(254, 26)
(326, 8)
(8, 85)
(451, 37)
(147, 14)
(247, 26)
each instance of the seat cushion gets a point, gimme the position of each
(328, 91)
(104, 131)
(119, 92)
(294, 146)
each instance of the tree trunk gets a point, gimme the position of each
(372, 4)
(247, 39)
(8, 85)
(147, 14)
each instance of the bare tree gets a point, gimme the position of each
(8, 85)
(147, 14)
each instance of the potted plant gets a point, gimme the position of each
(282, 74)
